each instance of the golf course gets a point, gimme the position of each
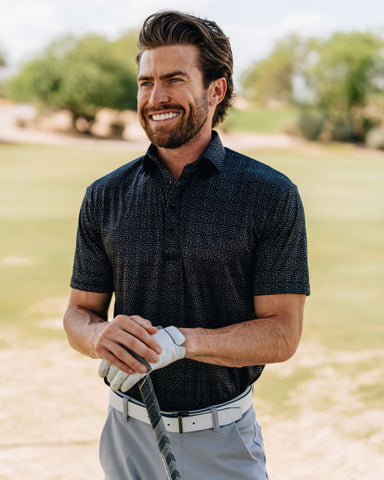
(322, 412)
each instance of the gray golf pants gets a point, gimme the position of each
(128, 451)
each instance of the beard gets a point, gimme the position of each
(188, 126)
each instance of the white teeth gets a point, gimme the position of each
(164, 116)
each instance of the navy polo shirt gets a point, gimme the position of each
(192, 254)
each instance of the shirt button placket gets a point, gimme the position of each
(172, 231)
(172, 264)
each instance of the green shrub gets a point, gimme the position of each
(310, 124)
(342, 132)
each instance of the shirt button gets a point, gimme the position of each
(171, 255)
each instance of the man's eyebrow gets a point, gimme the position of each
(178, 73)
(166, 76)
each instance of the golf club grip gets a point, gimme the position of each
(152, 405)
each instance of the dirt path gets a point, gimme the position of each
(333, 436)
(53, 407)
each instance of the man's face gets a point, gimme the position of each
(172, 102)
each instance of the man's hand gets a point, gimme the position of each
(170, 339)
(124, 334)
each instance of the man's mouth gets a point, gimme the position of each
(158, 117)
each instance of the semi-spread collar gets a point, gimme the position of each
(214, 154)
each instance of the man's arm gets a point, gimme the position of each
(272, 337)
(87, 329)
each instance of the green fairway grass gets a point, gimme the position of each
(342, 188)
(41, 188)
(343, 195)
(261, 120)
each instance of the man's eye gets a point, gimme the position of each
(175, 80)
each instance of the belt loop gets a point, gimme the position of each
(125, 409)
(215, 420)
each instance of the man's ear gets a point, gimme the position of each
(216, 91)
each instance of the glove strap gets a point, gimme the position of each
(175, 334)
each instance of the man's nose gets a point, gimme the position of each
(159, 95)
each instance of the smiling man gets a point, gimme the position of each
(172, 103)
(205, 252)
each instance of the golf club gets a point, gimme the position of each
(152, 405)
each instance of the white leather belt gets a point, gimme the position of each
(182, 422)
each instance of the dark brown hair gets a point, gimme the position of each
(170, 27)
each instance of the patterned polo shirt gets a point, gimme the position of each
(192, 254)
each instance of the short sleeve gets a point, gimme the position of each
(91, 269)
(281, 263)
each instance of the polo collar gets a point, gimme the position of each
(214, 154)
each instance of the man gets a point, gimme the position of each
(202, 241)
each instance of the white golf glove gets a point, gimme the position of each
(170, 339)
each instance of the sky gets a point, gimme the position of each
(27, 26)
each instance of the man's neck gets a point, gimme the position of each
(176, 159)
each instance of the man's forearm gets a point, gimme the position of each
(90, 333)
(82, 328)
(255, 342)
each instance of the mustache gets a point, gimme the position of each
(168, 106)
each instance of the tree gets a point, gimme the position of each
(2, 58)
(3, 63)
(338, 76)
(272, 78)
(80, 75)
(126, 48)
(343, 78)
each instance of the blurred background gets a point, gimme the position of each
(310, 102)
